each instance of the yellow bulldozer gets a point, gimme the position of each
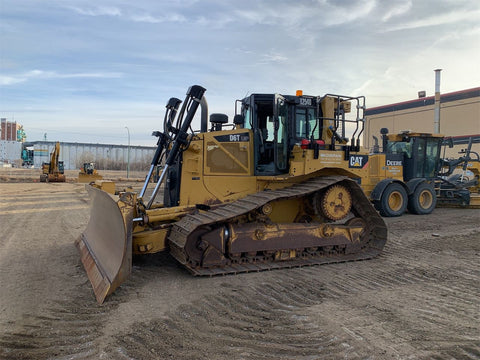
(54, 170)
(88, 173)
(277, 188)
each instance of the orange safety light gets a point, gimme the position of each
(299, 93)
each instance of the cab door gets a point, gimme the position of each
(281, 112)
(424, 160)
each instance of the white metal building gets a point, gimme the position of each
(74, 154)
(10, 151)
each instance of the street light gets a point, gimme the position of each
(128, 152)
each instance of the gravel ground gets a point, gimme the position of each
(418, 300)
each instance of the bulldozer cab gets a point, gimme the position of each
(418, 152)
(279, 122)
(89, 168)
(266, 115)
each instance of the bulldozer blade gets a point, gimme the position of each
(106, 245)
(88, 178)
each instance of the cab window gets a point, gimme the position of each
(306, 123)
(247, 114)
(400, 147)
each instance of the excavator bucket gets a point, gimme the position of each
(55, 178)
(106, 245)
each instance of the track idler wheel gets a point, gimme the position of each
(335, 203)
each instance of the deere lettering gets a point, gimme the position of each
(394, 162)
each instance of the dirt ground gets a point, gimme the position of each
(420, 299)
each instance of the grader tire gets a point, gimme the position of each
(393, 201)
(423, 200)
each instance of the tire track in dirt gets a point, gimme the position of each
(63, 331)
(59, 317)
(54, 315)
(274, 319)
(416, 300)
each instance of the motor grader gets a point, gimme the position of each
(411, 174)
(278, 188)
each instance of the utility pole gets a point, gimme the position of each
(436, 115)
(128, 152)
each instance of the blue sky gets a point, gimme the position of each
(83, 70)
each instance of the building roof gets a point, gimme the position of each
(426, 101)
(43, 142)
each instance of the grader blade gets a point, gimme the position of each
(106, 245)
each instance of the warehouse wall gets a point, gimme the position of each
(459, 116)
(105, 156)
(10, 152)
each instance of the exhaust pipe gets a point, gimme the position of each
(384, 132)
(203, 115)
(376, 147)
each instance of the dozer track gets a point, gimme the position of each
(211, 243)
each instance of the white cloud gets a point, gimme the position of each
(441, 19)
(98, 11)
(104, 75)
(214, 22)
(337, 15)
(10, 80)
(41, 74)
(273, 58)
(400, 9)
(130, 15)
(298, 14)
(147, 18)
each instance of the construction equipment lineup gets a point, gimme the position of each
(282, 186)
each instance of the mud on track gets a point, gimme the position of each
(418, 300)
